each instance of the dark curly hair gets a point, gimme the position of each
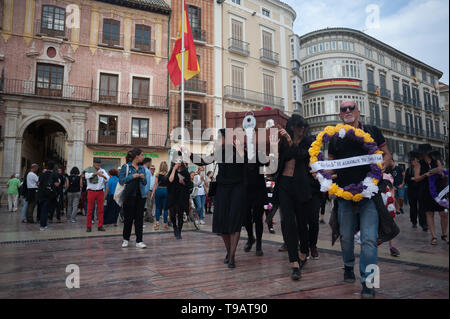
(113, 172)
(296, 121)
(131, 155)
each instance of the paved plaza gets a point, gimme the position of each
(33, 265)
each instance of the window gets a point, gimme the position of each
(309, 50)
(236, 1)
(413, 71)
(49, 79)
(368, 53)
(268, 89)
(333, 45)
(404, 69)
(382, 81)
(108, 87)
(429, 126)
(195, 19)
(314, 48)
(370, 78)
(140, 91)
(320, 47)
(294, 90)
(339, 45)
(139, 132)
(237, 31)
(143, 37)
(53, 20)
(237, 81)
(396, 87)
(327, 46)
(432, 79)
(267, 43)
(111, 32)
(406, 93)
(394, 64)
(380, 58)
(194, 111)
(266, 12)
(424, 76)
(351, 46)
(398, 117)
(107, 129)
(345, 45)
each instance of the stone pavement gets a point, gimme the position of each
(34, 265)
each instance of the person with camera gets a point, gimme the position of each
(179, 192)
(132, 174)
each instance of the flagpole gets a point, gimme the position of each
(182, 72)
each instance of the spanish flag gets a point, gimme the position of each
(377, 91)
(415, 79)
(191, 66)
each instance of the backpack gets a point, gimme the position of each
(118, 193)
(23, 188)
(49, 190)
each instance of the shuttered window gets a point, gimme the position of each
(268, 89)
(237, 80)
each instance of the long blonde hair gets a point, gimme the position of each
(163, 168)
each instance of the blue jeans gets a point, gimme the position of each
(24, 209)
(348, 220)
(200, 204)
(160, 203)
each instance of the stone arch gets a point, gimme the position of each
(52, 117)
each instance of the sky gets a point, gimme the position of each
(419, 28)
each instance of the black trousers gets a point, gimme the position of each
(414, 211)
(311, 226)
(176, 217)
(295, 221)
(254, 214)
(323, 203)
(133, 211)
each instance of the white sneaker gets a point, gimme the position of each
(202, 222)
(42, 228)
(125, 244)
(141, 245)
(184, 217)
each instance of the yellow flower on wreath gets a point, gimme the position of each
(334, 188)
(330, 130)
(359, 133)
(340, 192)
(357, 197)
(347, 195)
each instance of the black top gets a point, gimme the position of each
(74, 184)
(397, 174)
(424, 168)
(345, 148)
(48, 178)
(179, 194)
(163, 180)
(408, 181)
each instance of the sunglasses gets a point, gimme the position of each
(346, 108)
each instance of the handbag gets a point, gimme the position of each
(212, 185)
(118, 193)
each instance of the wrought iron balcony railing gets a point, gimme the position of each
(114, 138)
(51, 30)
(199, 34)
(398, 97)
(195, 85)
(385, 93)
(252, 97)
(372, 88)
(80, 93)
(238, 46)
(269, 56)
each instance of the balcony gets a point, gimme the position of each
(408, 100)
(110, 40)
(436, 109)
(199, 35)
(238, 47)
(195, 85)
(428, 107)
(372, 88)
(324, 120)
(295, 65)
(114, 138)
(269, 57)
(79, 93)
(385, 93)
(417, 103)
(144, 47)
(43, 30)
(252, 97)
(398, 98)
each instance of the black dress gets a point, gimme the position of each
(426, 201)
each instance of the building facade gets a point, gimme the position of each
(74, 91)
(443, 95)
(394, 91)
(260, 56)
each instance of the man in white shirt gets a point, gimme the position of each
(96, 178)
(150, 176)
(32, 186)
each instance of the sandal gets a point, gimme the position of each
(166, 227)
(444, 238)
(156, 227)
(434, 241)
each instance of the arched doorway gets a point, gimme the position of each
(43, 140)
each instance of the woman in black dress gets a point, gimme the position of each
(426, 201)
(180, 187)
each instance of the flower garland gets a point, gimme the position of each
(355, 192)
(433, 189)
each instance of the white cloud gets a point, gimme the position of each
(418, 28)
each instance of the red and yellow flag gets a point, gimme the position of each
(191, 66)
(415, 79)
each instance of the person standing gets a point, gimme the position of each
(73, 194)
(209, 200)
(398, 174)
(13, 193)
(200, 198)
(112, 210)
(48, 191)
(32, 188)
(132, 175)
(159, 195)
(23, 193)
(413, 194)
(150, 177)
(180, 188)
(368, 214)
(96, 178)
(427, 168)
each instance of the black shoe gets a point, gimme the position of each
(302, 263)
(249, 244)
(179, 235)
(101, 229)
(349, 275)
(271, 230)
(283, 248)
(414, 226)
(314, 253)
(259, 252)
(367, 293)
(231, 264)
(226, 260)
(175, 232)
(89, 229)
(425, 229)
(295, 273)
(401, 211)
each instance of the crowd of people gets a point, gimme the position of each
(241, 195)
